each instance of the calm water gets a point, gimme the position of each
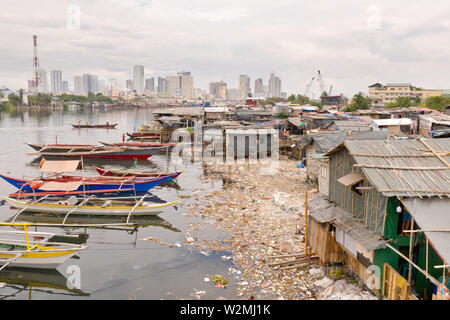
(118, 264)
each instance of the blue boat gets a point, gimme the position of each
(74, 185)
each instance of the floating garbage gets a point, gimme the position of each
(220, 281)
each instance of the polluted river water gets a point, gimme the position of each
(154, 261)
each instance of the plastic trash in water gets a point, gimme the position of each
(300, 165)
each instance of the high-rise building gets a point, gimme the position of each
(43, 83)
(90, 83)
(129, 84)
(274, 86)
(138, 78)
(56, 81)
(244, 85)
(150, 84)
(78, 85)
(65, 86)
(259, 88)
(218, 89)
(162, 85)
(181, 85)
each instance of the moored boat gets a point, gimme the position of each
(99, 126)
(99, 207)
(136, 173)
(37, 252)
(89, 151)
(164, 146)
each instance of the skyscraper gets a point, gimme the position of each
(43, 84)
(150, 84)
(162, 85)
(56, 81)
(274, 86)
(129, 84)
(65, 86)
(78, 85)
(90, 83)
(244, 85)
(218, 89)
(181, 85)
(259, 88)
(138, 78)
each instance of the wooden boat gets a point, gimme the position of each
(149, 134)
(99, 126)
(135, 173)
(79, 184)
(37, 252)
(89, 151)
(94, 207)
(170, 146)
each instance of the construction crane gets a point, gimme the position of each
(308, 87)
(321, 83)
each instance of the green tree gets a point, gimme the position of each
(437, 103)
(359, 102)
(14, 99)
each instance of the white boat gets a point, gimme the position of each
(37, 252)
(99, 207)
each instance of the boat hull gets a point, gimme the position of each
(95, 126)
(42, 260)
(139, 185)
(147, 208)
(118, 173)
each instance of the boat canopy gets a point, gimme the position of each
(60, 186)
(60, 166)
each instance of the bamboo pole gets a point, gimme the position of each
(411, 240)
(434, 152)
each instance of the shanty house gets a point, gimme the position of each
(388, 212)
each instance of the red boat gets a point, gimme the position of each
(101, 126)
(137, 174)
(144, 134)
(140, 144)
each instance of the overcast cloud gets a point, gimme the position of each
(219, 40)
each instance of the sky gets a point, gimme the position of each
(354, 43)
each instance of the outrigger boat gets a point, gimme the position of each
(100, 126)
(135, 173)
(33, 253)
(94, 207)
(90, 151)
(163, 146)
(58, 185)
(69, 184)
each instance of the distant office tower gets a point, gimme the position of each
(56, 81)
(150, 84)
(214, 89)
(274, 86)
(181, 85)
(259, 88)
(30, 86)
(234, 94)
(244, 85)
(162, 85)
(138, 78)
(43, 84)
(129, 84)
(78, 85)
(218, 89)
(90, 83)
(65, 86)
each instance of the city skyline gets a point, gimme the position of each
(361, 47)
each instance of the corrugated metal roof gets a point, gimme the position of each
(324, 210)
(392, 122)
(404, 167)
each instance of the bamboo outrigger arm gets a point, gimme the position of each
(31, 204)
